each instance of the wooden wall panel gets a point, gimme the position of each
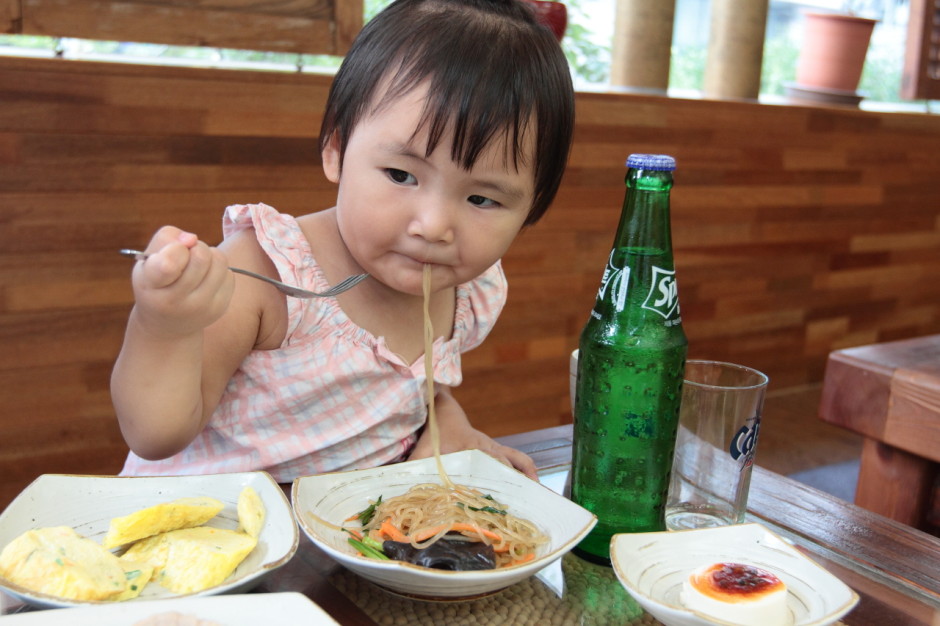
(301, 26)
(797, 231)
(9, 15)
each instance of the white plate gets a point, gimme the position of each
(653, 566)
(232, 610)
(88, 503)
(335, 497)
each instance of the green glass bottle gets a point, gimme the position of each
(630, 365)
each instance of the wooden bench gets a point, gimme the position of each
(890, 394)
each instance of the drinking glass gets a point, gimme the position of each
(719, 422)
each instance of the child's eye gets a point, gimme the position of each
(482, 202)
(400, 176)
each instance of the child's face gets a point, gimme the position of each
(397, 209)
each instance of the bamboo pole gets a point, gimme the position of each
(642, 44)
(735, 49)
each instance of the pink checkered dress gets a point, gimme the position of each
(333, 396)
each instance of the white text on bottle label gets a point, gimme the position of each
(663, 297)
(617, 279)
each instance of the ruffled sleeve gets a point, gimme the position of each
(282, 239)
(479, 304)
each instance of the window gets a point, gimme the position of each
(587, 45)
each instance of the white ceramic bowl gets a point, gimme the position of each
(335, 497)
(87, 504)
(653, 566)
(232, 610)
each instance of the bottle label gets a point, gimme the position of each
(663, 297)
(617, 279)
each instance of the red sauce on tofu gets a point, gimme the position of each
(735, 578)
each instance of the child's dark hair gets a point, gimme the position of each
(492, 69)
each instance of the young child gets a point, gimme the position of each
(447, 130)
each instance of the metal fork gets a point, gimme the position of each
(290, 290)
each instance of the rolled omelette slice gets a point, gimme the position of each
(161, 518)
(251, 511)
(60, 562)
(192, 559)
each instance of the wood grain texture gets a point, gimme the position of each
(895, 483)
(797, 231)
(890, 393)
(299, 26)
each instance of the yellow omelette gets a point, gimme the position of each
(60, 562)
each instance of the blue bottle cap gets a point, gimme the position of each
(657, 162)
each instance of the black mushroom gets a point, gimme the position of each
(454, 555)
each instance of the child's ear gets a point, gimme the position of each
(330, 156)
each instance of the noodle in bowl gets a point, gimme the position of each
(335, 497)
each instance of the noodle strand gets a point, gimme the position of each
(427, 512)
(429, 374)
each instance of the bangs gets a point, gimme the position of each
(473, 93)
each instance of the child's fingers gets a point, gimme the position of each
(519, 460)
(180, 290)
(169, 235)
(168, 256)
(213, 283)
(165, 266)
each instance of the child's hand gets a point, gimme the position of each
(183, 286)
(458, 434)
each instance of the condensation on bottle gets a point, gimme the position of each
(631, 360)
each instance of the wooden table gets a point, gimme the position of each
(894, 568)
(890, 394)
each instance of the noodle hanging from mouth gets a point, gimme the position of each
(429, 375)
(427, 513)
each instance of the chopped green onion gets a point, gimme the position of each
(365, 515)
(366, 550)
(373, 543)
(485, 509)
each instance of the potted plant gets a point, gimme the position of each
(833, 55)
(553, 14)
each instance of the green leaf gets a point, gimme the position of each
(372, 553)
(365, 516)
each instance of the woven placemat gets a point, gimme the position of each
(592, 595)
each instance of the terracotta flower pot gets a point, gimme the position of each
(833, 52)
(552, 14)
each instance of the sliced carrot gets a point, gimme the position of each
(465, 527)
(391, 532)
(427, 533)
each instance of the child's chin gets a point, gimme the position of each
(403, 284)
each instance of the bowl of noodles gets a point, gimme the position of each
(518, 526)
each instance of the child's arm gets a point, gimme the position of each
(458, 434)
(183, 343)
